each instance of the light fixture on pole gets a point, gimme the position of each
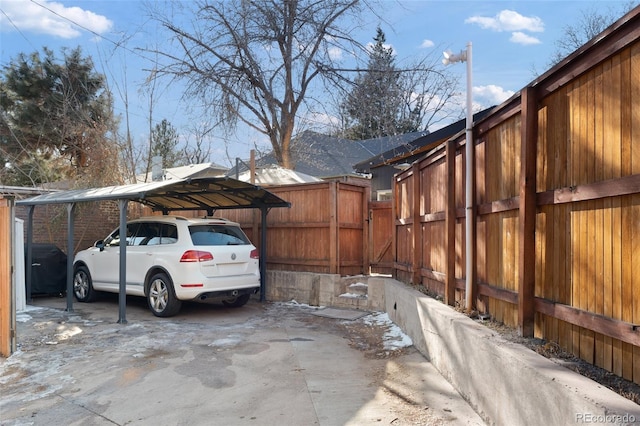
(451, 58)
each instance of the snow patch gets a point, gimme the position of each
(293, 302)
(353, 296)
(394, 338)
(363, 285)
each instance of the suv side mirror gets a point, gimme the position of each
(99, 244)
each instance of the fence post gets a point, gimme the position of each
(416, 259)
(366, 229)
(527, 212)
(450, 224)
(394, 227)
(334, 239)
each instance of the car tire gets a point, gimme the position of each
(82, 285)
(161, 296)
(237, 301)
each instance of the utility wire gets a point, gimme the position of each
(17, 29)
(115, 43)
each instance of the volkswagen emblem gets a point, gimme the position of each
(233, 256)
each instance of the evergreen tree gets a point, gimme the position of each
(376, 105)
(57, 114)
(164, 143)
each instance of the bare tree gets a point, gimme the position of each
(119, 85)
(200, 150)
(591, 23)
(254, 61)
(428, 93)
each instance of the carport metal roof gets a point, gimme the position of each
(209, 193)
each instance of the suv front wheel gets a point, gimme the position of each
(82, 286)
(161, 297)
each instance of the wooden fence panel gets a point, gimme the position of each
(324, 231)
(498, 221)
(404, 227)
(589, 130)
(432, 231)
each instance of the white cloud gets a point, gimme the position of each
(427, 44)
(49, 18)
(320, 121)
(508, 20)
(522, 38)
(335, 53)
(491, 94)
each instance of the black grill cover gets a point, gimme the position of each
(49, 272)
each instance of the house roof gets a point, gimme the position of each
(20, 191)
(417, 146)
(276, 175)
(189, 171)
(211, 193)
(325, 156)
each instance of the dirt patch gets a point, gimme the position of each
(374, 334)
(372, 339)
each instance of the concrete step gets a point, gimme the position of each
(354, 297)
(358, 289)
(351, 301)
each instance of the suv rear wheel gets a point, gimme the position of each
(237, 301)
(161, 297)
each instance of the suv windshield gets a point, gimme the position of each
(217, 235)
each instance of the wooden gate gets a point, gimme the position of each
(380, 237)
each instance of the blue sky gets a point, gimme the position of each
(511, 40)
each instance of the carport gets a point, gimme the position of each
(208, 194)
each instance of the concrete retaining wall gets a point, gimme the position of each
(324, 290)
(506, 383)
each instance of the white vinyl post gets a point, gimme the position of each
(469, 151)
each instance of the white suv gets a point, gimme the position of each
(171, 259)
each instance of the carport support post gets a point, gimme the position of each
(29, 274)
(70, 222)
(263, 253)
(122, 293)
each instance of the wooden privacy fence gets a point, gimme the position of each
(556, 208)
(325, 229)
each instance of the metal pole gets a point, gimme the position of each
(70, 208)
(263, 254)
(469, 219)
(29, 274)
(122, 294)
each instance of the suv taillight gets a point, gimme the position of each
(254, 254)
(196, 256)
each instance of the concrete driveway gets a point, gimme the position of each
(263, 364)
